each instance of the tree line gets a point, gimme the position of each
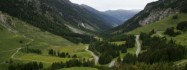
(30, 50)
(25, 66)
(144, 66)
(60, 54)
(72, 63)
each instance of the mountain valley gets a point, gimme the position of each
(61, 35)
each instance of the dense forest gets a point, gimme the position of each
(156, 52)
(106, 49)
(159, 49)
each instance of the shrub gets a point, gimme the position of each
(182, 26)
(175, 17)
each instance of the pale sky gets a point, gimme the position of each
(103, 5)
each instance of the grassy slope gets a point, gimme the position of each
(9, 42)
(42, 40)
(160, 25)
(12, 40)
(182, 39)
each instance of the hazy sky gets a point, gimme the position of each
(103, 5)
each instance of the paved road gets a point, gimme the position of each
(138, 45)
(96, 58)
(112, 63)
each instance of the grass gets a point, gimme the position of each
(78, 50)
(5, 56)
(10, 40)
(79, 68)
(160, 25)
(43, 40)
(41, 36)
(131, 50)
(40, 58)
(119, 42)
(181, 39)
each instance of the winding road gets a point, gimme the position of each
(96, 58)
(18, 49)
(12, 56)
(138, 45)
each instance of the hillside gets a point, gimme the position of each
(153, 12)
(60, 35)
(18, 36)
(58, 16)
(122, 15)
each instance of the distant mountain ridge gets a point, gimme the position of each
(122, 15)
(106, 17)
(56, 16)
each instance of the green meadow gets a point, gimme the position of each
(36, 39)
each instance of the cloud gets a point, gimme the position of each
(103, 5)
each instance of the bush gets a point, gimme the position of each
(171, 32)
(175, 17)
(182, 26)
(129, 59)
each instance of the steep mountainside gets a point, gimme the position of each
(153, 12)
(122, 15)
(57, 16)
(106, 17)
